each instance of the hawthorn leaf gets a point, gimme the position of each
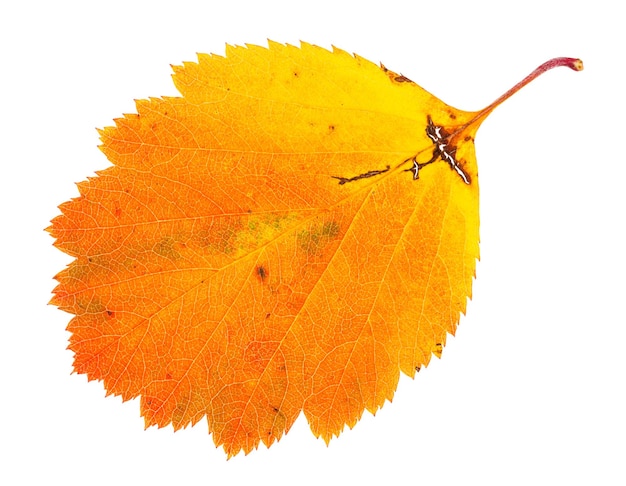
(289, 235)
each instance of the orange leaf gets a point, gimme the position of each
(289, 235)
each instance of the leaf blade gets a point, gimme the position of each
(212, 257)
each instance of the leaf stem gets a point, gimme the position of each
(570, 62)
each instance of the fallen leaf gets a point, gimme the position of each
(290, 234)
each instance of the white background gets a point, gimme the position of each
(531, 391)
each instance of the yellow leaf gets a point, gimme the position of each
(290, 234)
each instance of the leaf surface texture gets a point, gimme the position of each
(261, 246)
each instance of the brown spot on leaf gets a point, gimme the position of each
(402, 79)
(262, 273)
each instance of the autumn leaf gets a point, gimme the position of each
(289, 235)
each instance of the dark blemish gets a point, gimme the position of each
(165, 113)
(467, 139)
(276, 410)
(371, 173)
(267, 316)
(166, 248)
(443, 150)
(315, 239)
(110, 313)
(418, 368)
(262, 273)
(398, 78)
(331, 128)
(452, 116)
(402, 79)
(330, 229)
(90, 259)
(296, 74)
(168, 376)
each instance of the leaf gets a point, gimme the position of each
(290, 234)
